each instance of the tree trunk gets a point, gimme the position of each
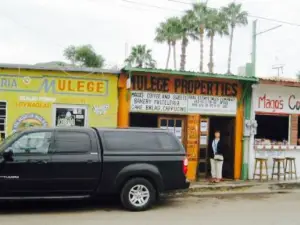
(184, 42)
(201, 47)
(230, 50)
(211, 54)
(168, 57)
(174, 53)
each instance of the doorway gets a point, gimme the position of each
(226, 127)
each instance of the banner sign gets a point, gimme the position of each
(182, 104)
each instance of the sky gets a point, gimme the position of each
(35, 31)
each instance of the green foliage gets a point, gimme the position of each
(84, 56)
(141, 57)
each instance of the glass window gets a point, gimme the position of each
(37, 142)
(69, 141)
(68, 117)
(168, 142)
(131, 141)
(139, 141)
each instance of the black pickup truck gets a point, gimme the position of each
(76, 163)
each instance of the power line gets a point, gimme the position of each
(151, 6)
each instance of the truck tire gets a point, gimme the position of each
(138, 194)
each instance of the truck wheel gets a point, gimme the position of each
(138, 194)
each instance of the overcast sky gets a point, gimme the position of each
(38, 30)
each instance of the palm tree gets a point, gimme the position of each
(198, 16)
(186, 31)
(235, 16)
(162, 36)
(169, 32)
(141, 57)
(216, 25)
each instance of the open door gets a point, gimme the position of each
(226, 126)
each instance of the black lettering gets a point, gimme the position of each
(197, 86)
(227, 89)
(165, 84)
(203, 88)
(140, 82)
(184, 87)
(133, 82)
(177, 85)
(153, 84)
(234, 89)
(210, 88)
(190, 86)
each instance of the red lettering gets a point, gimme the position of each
(264, 102)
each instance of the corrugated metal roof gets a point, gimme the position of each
(57, 68)
(192, 74)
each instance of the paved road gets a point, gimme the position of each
(271, 209)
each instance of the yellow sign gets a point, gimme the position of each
(38, 99)
(55, 85)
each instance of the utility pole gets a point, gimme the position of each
(247, 101)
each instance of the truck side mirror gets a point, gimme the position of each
(8, 155)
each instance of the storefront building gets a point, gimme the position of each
(191, 105)
(36, 96)
(276, 109)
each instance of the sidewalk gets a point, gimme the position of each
(241, 188)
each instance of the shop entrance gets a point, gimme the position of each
(226, 127)
(175, 124)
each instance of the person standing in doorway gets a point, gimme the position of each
(216, 158)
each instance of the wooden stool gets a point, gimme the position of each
(280, 165)
(261, 162)
(290, 167)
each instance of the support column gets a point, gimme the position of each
(192, 145)
(124, 102)
(239, 123)
(294, 129)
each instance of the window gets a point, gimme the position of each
(69, 116)
(139, 141)
(72, 142)
(167, 142)
(272, 129)
(37, 142)
(2, 120)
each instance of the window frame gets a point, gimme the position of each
(32, 153)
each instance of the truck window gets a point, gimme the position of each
(72, 142)
(32, 143)
(168, 142)
(140, 141)
(131, 141)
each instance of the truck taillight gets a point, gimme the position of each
(185, 165)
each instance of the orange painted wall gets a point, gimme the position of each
(192, 145)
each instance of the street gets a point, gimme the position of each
(262, 209)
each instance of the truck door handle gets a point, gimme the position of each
(89, 161)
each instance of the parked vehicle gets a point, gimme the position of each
(76, 163)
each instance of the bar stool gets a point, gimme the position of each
(290, 167)
(280, 165)
(261, 162)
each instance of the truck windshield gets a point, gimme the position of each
(6, 140)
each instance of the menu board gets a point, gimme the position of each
(158, 102)
(180, 103)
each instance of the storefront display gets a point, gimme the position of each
(41, 97)
(178, 101)
(276, 108)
